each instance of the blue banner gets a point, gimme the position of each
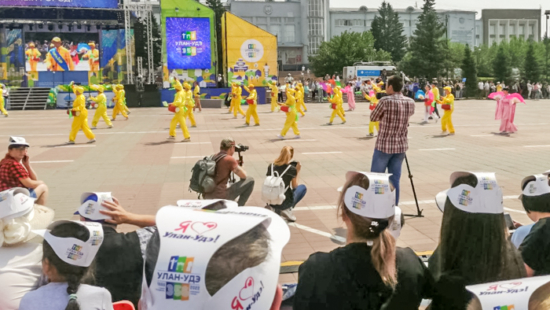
(108, 47)
(188, 43)
(368, 72)
(103, 4)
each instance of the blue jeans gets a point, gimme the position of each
(381, 161)
(299, 193)
(32, 193)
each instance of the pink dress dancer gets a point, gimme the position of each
(351, 97)
(506, 111)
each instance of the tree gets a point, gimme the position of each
(454, 58)
(344, 50)
(428, 46)
(219, 9)
(483, 60)
(140, 33)
(388, 32)
(469, 72)
(532, 65)
(501, 65)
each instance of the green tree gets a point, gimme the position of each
(483, 60)
(501, 65)
(428, 45)
(140, 33)
(454, 58)
(344, 50)
(219, 9)
(532, 65)
(469, 72)
(388, 32)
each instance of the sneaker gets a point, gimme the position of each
(431, 117)
(6, 115)
(370, 135)
(256, 124)
(171, 138)
(112, 119)
(91, 141)
(193, 126)
(93, 128)
(109, 127)
(287, 215)
(246, 124)
(186, 140)
(343, 122)
(70, 142)
(451, 134)
(297, 137)
(280, 137)
(329, 123)
(128, 112)
(443, 133)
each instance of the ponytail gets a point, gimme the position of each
(73, 282)
(383, 257)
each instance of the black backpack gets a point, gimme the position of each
(203, 174)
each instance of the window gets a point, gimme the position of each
(359, 22)
(493, 29)
(275, 20)
(512, 30)
(289, 33)
(316, 8)
(275, 30)
(261, 20)
(501, 28)
(532, 33)
(521, 29)
(289, 20)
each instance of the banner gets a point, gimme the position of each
(251, 52)
(188, 43)
(104, 4)
(12, 60)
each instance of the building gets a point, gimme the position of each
(460, 24)
(503, 24)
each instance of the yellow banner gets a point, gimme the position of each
(250, 53)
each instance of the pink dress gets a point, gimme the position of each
(351, 97)
(506, 110)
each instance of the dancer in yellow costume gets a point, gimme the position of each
(291, 114)
(274, 93)
(101, 111)
(179, 116)
(299, 95)
(2, 108)
(197, 96)
(338, 90)
(337, 102)
(252, 110)
(236, 100)
(302, 98)
(446, 120)
(119, 101)
(33, 56)
(373, 102)
(93, 57)
(80, 121)
(189, 104)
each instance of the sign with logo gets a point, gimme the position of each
(513, 294)
(188, 43)
(368, 73)
(104, 4)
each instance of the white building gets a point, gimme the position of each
(503, 24)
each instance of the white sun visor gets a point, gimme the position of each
(513, 294)
(91, 205)
(537, 187)
(377, 202)
(15, 202)
(208, 204)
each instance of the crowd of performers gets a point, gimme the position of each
(187, 100)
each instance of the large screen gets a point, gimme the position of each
(104, 4)
(74, 53)
(188, 43)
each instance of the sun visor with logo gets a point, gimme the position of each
(208, 204)
(377, 201)
(537, 187)
(74, 251)
(188, 240)
(15, 202)
(513, 294)
(486, 197)
(91, 205)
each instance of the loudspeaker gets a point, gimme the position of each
(149, 98)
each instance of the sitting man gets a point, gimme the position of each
(224, 166)
(16, 171)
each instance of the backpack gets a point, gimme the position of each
(203, 174)
(273, 190)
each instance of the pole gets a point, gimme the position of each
(418, 211)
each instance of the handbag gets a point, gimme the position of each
(284, 108)
(446, 107)
(250, 101)
(333, 106)
(372, 107)
(172, 108)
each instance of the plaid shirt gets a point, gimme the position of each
(393, 113)
(10, 173)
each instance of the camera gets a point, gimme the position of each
(381, 95)
(241, 148)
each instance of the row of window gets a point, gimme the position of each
(284, 33)
(352, 22)
(316, 8)
(272, 20)
(521, 29)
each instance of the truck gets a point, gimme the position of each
(368, 70)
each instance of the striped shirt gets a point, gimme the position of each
(393, 113)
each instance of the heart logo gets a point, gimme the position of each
(510, 285)
(248, 290)
(200, 227)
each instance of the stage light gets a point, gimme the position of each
(88, 28)
(60, 26)
(40, 26)
(98, 27)
(50, 27)
(30, 27)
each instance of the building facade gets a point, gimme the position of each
(503, 24)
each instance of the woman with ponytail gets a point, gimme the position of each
(69, 249)
(370, 272)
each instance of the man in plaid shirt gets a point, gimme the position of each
(16, 171)
(393, 112)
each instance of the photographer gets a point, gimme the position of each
(224, 166)
(288, 171)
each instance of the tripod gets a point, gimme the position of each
(418, 211)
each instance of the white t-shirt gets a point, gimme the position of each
(480, 85)
(20, 272)
(54, 297)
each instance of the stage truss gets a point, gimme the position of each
(143, 11)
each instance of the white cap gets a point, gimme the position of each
(91, 205)
(18, 141)
(376, 202)
(15, 202)
(74, 251)
(537, 187)
(486, 197)
(208, 204)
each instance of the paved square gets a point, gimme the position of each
(134, 161)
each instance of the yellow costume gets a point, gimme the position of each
(2, 109)
(499, 87)
(33, 56)
(337, 100)
(101, 111)
(93, 57)
(446, 120)
(80, 121)
(252, 108)
(197, 95)
(189, 104)
(274, 93)
(299, 95)
(373, 102)
(291, 115)
(236, 92)
(119, 101)
(64, 55)
(302, 102)
(179, 116)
